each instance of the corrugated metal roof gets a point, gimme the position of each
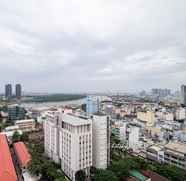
(22, 154)
(7, 170)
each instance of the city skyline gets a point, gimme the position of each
(57, 46)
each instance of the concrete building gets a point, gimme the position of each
(8, 91)
(101, 141)
(134, 133)
(77, 142)
(183, 94)
(26, 125)
(16, 112)
(92, 105)
(51, 135)
(175, 154)
(155, 153)
(148, 117)
(123, 131)
(68, 141)
(161, 92)
(180, 113)
(18, 90)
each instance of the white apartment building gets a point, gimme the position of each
(75, 144)
(101, 141)
(68, 141)
(51, 135)
(180, 113)
(123, 131)
(134, 134)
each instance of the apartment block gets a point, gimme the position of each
(68, 141)
(101, 141)
(175, 154)
(148, 117)
(77, 142)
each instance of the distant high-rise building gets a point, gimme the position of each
(92, 105)
(8, 91)
(161, 92)
(183, 94)
(18, 91)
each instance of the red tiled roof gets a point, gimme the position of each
(22, 154)
(7, 170)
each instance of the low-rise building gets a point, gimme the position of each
(7, 170)
(22, 155)
(155, 153)
(180, 113)
(175, 154)
(26, 125)
(148, 117)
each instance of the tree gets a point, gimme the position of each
(24, 137)
(16, 137)
(80, 175)
(104, 175)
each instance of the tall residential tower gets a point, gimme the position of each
(183, 94)
(8, 91)
(18, 91)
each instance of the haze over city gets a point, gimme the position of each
(68, 46)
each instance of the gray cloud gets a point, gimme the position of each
(61, 46)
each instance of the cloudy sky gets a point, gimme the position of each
(92, 45)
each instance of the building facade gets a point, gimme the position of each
(175, 154)
(18, 90)
(92, 105)
(77, 142)
(8, 91)
(26, 125)
(101, 141)
(134, 133)
(68, 141)
(183, 94)
(148, 117)
(16, 112)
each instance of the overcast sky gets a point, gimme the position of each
(92, 45)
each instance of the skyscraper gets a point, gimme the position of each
(92, 105)
(8, 91)
(18, 91)
(183, 94)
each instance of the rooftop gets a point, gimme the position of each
(22, 154)
(138, 175)
(177, 147)
(25, 120)
(156, 148)
(7, 170)
(75, 120)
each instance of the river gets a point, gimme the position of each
(53, 104)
